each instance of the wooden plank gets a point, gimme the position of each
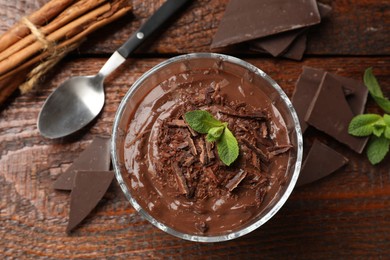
(355, 27)
(346, 215)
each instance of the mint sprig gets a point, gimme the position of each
(375, 90)
(203, 122)
(373, 125)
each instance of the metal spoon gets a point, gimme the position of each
(78, 100)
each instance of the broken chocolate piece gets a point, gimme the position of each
(330, 113)
(85, 195)
(320, 162)
(356, 93)
(180, 179)
(246, 20)
(308, 84)
(237, 179)
(96, 157)
(297, 48)
(278, 44)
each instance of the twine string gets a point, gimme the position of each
(55, 55)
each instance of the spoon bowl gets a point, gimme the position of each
(75, 103)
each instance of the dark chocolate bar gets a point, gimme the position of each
(297, 48)
(330, 112)
(320, 162)
(308, 84)
(246, 20)
(96, 157)
(279, 44)
(89, 188)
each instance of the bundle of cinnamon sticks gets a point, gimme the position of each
(37, 42)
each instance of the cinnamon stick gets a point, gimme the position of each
(87, 29)
(39, 18)
(69, 35)
(69, 14)
(64, 32)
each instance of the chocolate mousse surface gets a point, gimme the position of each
(176, 176)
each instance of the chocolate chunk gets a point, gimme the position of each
(356, 93)
(88, 189)
(246, 20)
(330, 113)
(297, 49)
(278, 44)
(308, 84)
(320, 162)
(96, 157)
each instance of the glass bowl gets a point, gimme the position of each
(163, 71)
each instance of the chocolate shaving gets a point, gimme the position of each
(236, 180)
(177, 123)
(182, 145)
(193, 133)
(264, 130)
(180, 179)
(276, 150)
(192, 145)
(209, 150)
(202, 226)
(202, 156)
(260, 195)
(211, 175)
(255, 115)
(189, 161)
(263, 155)
(255, 161)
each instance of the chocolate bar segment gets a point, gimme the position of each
(308, 84)
(281, 43)
(246, 20)
(297, 49)
(276, 44)
(320, 162)
(330, 112)
(89, 188)
(305, 89)
(96, 157)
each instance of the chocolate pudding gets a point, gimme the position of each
(175, 177)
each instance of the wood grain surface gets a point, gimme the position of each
(344, 216)
(355, 27)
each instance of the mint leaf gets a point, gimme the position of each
(372, 84)
(378, 130)
(227, 147)
(363, 125)
(201, 121)
(375, 90)
(384, 103)
(215, 133)
(377, 149)
(387, 132)
(386, 119)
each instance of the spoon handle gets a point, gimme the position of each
(150, 26)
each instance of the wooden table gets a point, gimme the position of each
(345, 215)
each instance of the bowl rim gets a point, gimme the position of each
(257, 223)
